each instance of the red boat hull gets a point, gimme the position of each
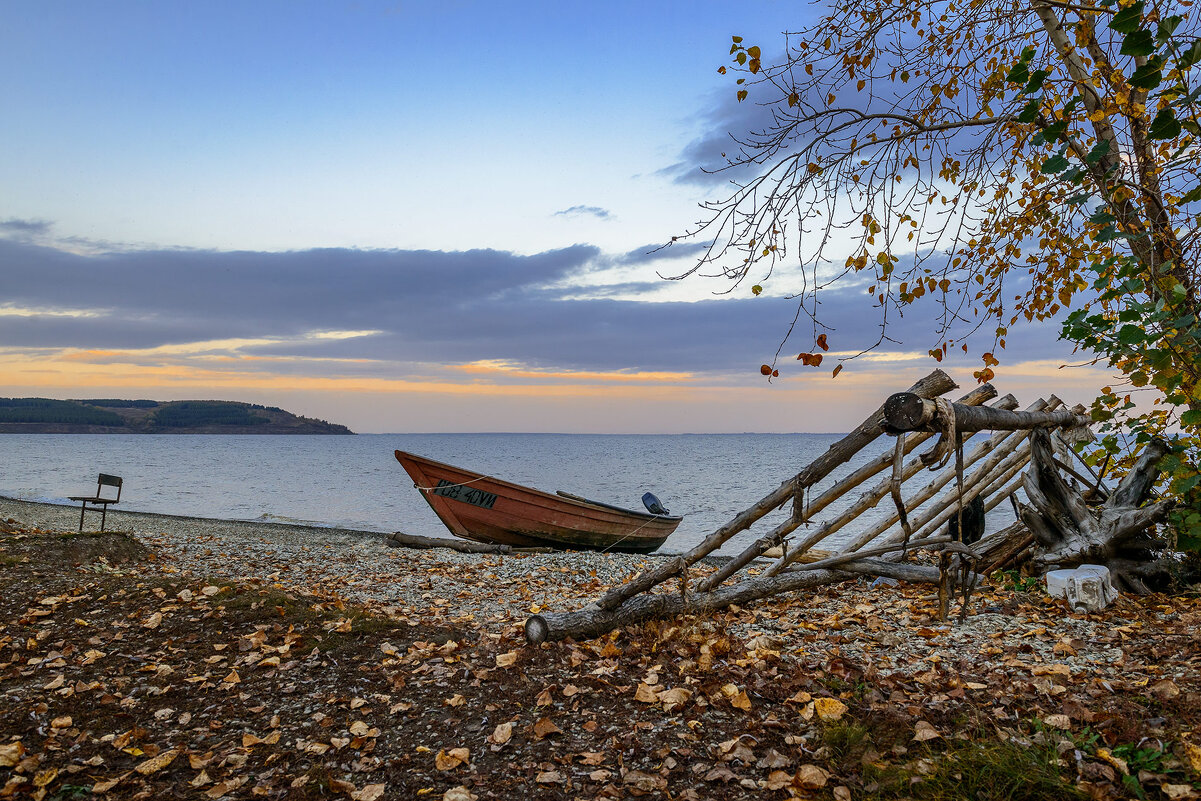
(485, 509)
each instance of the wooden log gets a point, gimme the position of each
(400, 540)
(1069, 533)
(762, 545)
(933, 385)
(592, 621)
(912, 413)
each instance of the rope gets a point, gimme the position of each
(941, 452)
(448, 486)
(898, 459)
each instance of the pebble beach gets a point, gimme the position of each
(357, 566)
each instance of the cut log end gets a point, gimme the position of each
(536, 630)
(906, 411)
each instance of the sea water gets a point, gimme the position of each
(356, 482)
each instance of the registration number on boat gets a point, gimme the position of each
(459, 492)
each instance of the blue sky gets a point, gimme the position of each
(403, 217)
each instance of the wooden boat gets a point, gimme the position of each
(485, 509)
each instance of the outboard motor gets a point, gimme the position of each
(652, 504)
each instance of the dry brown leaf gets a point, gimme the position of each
(545, 727)
(1192, 755)
(677, 696)
(108, 784)
(61, 723)
(359, 728)
(801, 697)
(507, 659)
(570, 690)
(157, 763)
(811, 777)
(1058, 721)
(44, 777)
(544, 698)
(778, 780)
(371, 792)
(829, 708)
(924, 731)
(1179, 791)
(592, 758)
(198, 761)
(226, 787)
(645, 694)
(741, 701)
(549, 777)
(842, 793)
(232, 678)
(449, 760)
(210, 590)
(1117, 762)
(202, 778)
(501, 734)
(10, 754)
(153, 621)
(1164, 690)
(459, 793)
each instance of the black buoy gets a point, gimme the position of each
(652, 504)
(973, 522)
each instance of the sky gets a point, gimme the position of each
(410, 217)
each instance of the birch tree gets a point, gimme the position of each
(1005, 161)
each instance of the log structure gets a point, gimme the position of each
(986, 474)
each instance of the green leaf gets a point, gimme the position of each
(1131, 335)
(1128, 19)
(1036, 82)
(1029, 112)
(1164, 126)
(1167, 27)
(1191, 418)
(1190, 56)
(1098, 152)
(1139, 43)
(1148, 76)
(1019, 74)
(1056, 163)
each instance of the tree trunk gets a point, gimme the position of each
(1068, 533)
(401, 540)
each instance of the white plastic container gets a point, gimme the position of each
(1086, 588)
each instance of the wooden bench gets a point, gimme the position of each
(99, 500)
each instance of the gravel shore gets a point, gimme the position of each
(358, 565)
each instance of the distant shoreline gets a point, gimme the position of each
(119, 416)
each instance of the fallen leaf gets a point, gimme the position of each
(507, 659)
(153, 621)
(44, 777)
(545, 727)
(10, 754)
(61, 723)
(812, 777)
(449, 760)
(108, 784)
(459, 793)
(924, 731)
(1192, 755)
(1175, 791)
(677, 696)
(829, 709)
(359, 728)
(645, 694)
(549, 777)
(501, 734)
(157, 763)
(741, 701)
(232, 678)
(210, 590)
(1058, 721)
(1164, 690)
(369, 793)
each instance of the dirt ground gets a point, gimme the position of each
(124, 678)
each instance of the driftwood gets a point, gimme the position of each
(592, 621)
(400, 540)
(906, 411)
(933, 385)
(868, 500)
(1069, 533)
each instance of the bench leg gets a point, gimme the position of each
(83, 507)
(103, 514)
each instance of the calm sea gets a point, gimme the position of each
(355, 482)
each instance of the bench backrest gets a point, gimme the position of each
(110, 481)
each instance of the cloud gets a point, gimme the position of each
(24, 228)
(577, 211)
(414, 316)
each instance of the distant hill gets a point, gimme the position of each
(113, 416)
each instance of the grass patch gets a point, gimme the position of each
(988, 771)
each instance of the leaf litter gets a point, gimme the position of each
(146, 676)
